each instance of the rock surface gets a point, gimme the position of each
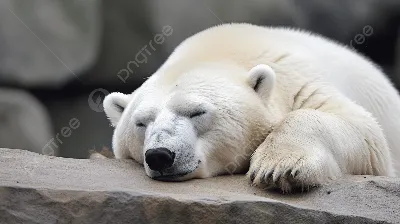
(47, 42)
(42, 189)
(131, 25)
(25, 122)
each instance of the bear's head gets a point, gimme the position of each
(194, 123)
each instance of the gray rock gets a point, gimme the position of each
(25, 122)
(127, 30)
(42, 189)
(47, 42)
(131, 25)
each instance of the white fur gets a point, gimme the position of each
(317, 114)
(267, 75)
(111, 104)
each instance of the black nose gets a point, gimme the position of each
(159, 159)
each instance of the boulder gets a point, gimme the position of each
(24, 122)
(130, 27)
(44, 189)
(47, 42)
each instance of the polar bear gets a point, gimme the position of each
(290, 108)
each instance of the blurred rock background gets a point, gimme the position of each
(59, 58)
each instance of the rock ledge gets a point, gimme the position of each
(42, 189)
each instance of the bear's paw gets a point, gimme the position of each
(291, 169)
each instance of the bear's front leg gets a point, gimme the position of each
(310, 147)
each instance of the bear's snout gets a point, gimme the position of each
(159, 159)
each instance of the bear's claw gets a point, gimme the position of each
(295, 169)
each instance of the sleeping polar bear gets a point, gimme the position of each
(290, 108)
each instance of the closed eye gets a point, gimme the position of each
(197, 114)
(140, 124)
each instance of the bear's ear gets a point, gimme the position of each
(262, 79)
(114, 104)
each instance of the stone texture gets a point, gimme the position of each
(52, 42)
(25, 122)
(42, 189)
(130, 25)
(47, 42)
